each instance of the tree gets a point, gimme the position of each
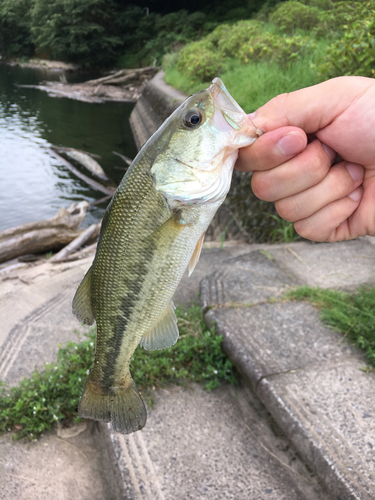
(15, 26)
(80, 31)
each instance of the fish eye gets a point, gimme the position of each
(193, 118)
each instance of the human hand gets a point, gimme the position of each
(325, 202)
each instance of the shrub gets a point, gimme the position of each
(271, 47)
(218, 33)
(291, 15)
(333, 20)
(170, 60)
(354, 54)
(200, 60)
(240, 33)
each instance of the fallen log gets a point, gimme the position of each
(43, 236)
(63, 149)
(80, 175)
(89, 233)
(85, 159)
(81, 254)
(123, 157)
(137, 73)
(89, 163)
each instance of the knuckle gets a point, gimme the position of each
(306, 230)
(261, 186)
(287, 209)
(317, 169)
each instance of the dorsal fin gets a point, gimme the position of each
(82, 307)
(164, 334)
(196, 254)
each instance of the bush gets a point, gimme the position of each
(232, 39)
(271, 47)
(354, 54)
(334, 20)
(200, 60)
(291, 15)
(218, 33)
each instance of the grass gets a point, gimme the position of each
(255, 83)
(352, 314)
(52, 395)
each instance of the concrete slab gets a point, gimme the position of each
(249, 279)
(24, 289)
(213, 256)
(306, 375)
(212, 445)
(345, 264)
(58, 468)
(268, 339)
(328, 412)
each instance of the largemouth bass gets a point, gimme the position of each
(151, 231)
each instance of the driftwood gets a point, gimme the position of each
(90, 182)
(123, 157)
(61, 149)
(43, 236)
(89, 233)
(89, 163)
(101, 200)
(85, 159)
(87, 93)
(81, 254)
(136, 76)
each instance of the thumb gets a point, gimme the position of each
(312, 108)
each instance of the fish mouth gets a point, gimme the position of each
(229, 116)
(234, 115)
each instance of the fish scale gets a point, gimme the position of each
(152, 229)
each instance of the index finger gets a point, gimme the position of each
(272, 149)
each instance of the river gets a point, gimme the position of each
(34, 185)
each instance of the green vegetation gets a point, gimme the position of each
(110, 32)
(351, 314)
(52, 395)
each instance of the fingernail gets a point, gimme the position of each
(356, 171)
(330, 152)
(291, 144)
(356, 195)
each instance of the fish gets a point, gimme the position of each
(152, 230)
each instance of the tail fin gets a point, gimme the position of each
(122, 406)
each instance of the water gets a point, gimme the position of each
(33, 184)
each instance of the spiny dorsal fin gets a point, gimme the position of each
(196, 254)
(164, 334)
(82, 308)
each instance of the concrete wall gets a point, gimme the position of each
(157, 102)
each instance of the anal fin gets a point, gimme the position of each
(196, 254)
(164, 334)
(82, 307)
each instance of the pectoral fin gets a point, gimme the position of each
(164, 334)
(82, 308)
(196, 254)
(168, 230)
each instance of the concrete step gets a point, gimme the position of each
(310, 380)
